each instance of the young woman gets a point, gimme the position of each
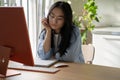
(60, 39)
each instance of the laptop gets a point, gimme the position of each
(4, 59)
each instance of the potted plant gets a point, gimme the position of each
(89, 15)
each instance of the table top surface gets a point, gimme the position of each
(73, 72)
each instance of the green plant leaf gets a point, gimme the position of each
(89, 15)
(96, 18)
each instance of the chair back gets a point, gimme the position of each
(88, 53)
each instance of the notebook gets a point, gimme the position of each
(44, 63)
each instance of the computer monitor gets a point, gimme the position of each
(14, 34)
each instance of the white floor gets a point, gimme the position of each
(107, 46)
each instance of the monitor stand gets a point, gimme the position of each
(10, 73)
(4, 60)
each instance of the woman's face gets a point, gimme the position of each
(56, 19)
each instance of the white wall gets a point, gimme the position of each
(107, 46)
(109, 11)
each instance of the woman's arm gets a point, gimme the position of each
(41, 53)
(44, 48)
(47, 40)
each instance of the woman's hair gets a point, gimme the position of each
(67, 27)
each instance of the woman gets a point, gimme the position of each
(60, 39)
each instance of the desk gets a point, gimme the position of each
(73, 72)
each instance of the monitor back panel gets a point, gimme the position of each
(14, 34)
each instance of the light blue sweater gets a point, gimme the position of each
(72, 54)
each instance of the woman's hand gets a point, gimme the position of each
(46, 24)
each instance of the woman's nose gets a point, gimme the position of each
(54, 21)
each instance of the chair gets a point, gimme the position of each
(88, 53)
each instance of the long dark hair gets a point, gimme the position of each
(67, 27)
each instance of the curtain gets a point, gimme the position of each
(37, 10)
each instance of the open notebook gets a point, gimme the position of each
(44, 63)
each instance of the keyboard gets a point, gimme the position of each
(33, 68)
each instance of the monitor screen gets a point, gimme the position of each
(14, 34)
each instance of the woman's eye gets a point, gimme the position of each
(51, 16)
(59, 18)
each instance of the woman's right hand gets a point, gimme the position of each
(46, 24)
